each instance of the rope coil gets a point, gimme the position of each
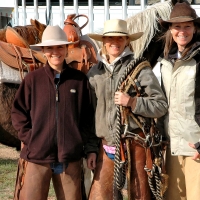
(152, 140)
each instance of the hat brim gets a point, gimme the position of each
(38, 47)
(99, 37)
(166, 23)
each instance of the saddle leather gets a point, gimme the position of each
(15, 50)
(81, 55)
(14, 38)
(20, 58)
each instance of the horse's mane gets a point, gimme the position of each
(147, 22)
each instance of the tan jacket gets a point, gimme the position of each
(179, 82)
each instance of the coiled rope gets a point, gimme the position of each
(154, 174)
(120, 176)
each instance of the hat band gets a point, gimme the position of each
(182, 17)
(115, 32)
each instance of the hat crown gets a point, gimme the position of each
(115, 26)
(183, 10)
(53, 33)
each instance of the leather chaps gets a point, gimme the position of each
(33, 181)
(102, 186)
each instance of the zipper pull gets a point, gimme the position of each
(57, 94)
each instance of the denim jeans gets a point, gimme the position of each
(58, 168)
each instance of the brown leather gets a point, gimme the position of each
(20, 58)
(68, 185)
(37, 181)
(139, 186)
(81, 55)
(102, 186)
(72, 30)
(21, 171)
(15, 52)
(13, 37)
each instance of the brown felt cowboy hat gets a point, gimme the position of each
(52, 36)
(115, 27)
(181, 12)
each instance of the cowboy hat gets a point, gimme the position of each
(181, 12)
(115, 27)
(52, 36)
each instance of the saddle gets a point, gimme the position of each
(15, 38)
(82, 54)
(15, 51)
(23, 59)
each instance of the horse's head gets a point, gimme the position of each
(39, 27)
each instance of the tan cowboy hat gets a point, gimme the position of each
(115, 27)
(52, 36)
(181, 12)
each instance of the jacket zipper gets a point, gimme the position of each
(57, 100)
(110, 103)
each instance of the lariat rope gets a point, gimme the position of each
(154, 174)
(119, 179)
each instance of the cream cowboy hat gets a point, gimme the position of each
(181, 12)
(52, 36)
(115, 27)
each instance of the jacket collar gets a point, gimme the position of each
(191, 53)
(52, 73)
(121, 58)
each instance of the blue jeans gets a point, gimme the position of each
(110, 155)
(58, 168)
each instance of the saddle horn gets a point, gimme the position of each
(73, 30)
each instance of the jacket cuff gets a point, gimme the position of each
(197, 146)
(132, 102)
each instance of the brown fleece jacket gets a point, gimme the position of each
(54, 130)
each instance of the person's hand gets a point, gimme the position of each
(121, 98)
(91, 160)
(22, 145)
(196, 155)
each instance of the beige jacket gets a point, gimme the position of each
(179, 84)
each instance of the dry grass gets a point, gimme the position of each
(8, 169)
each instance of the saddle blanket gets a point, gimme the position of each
(9, 74)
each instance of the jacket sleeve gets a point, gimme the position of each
(154, 104)
(91, 141)
(20, 113)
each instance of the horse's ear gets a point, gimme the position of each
(32, 21)
(179, 1)
(39, 26)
